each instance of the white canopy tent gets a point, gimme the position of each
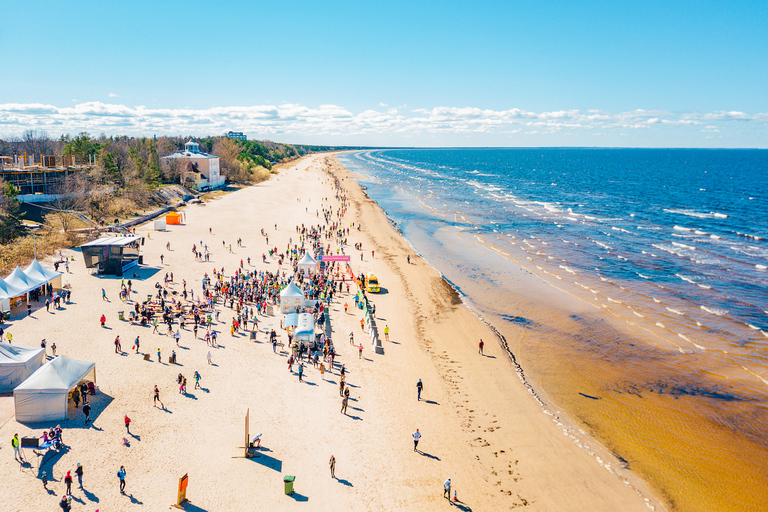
(43, 396)
(18, 279)
(291, 297)
(307, 264)
(17, 363)
(8, 292)
(36, 271)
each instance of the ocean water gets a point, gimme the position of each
(666, 361)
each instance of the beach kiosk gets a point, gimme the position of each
(307, 265)
(112, 255)
(291, 297)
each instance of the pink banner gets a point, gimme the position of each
(334, 258)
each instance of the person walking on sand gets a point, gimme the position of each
(360, 351)
(301, 371)
(121, 475)
(386, 332)
(157, 398)
(118, 348)
(344, 402)
(209, 357)
(68, 481)
(79, 473)
(127, 421)
(481, 345)
(15, 443)
(322, 371)
(333, 466)
(196, 376)
(137, 344)
(351, 338)
(159, 356)
(419, 387)
(416, 439)
(447, 489)
(87, 412)
(104, 295)
(103, 320)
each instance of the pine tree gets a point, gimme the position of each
(11, 225)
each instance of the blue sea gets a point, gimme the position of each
(672, 244)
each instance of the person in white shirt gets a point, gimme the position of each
(416, 438)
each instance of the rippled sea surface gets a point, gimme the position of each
(668, 252)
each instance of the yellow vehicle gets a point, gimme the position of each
(372, 283)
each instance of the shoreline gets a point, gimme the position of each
(652, 420)
(567, 425)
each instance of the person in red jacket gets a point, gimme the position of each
(103, 320)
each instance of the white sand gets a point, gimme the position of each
(480, 426)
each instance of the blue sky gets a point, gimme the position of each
(646, 73)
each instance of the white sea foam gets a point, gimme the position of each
(683, 246)
(699, 215)
(675, 311)
(760, 267)
(661, 325)
(686, 279)
(714, 311)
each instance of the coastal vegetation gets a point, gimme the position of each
(116, 177)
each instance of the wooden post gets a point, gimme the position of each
(247, 418)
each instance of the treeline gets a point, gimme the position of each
(124, 174)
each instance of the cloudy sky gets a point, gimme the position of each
(645, 74)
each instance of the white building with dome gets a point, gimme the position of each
(203, 173)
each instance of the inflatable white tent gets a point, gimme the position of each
(291, 297)
(307, 264)
(43, 396)
(17, 363)
(305, 328)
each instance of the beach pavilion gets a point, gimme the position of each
(8, 293)
(291, 297)
(17, 363)
(44, 396)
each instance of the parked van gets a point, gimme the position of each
(373, 283)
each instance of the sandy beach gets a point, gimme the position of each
(481, 426)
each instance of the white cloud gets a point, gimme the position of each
(113, 95)
(334, 122)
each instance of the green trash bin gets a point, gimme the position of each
(288, 479)
(121, 315)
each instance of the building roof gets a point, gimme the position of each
(112, 240)
(189, 154)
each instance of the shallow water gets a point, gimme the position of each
(665, 359)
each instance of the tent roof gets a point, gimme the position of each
(291, 291)
(17, 353)
(291, 319)
(36, 270)
(19, 280)
(112, 240)
(61, 374)
(307, 260)
(8, 291)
